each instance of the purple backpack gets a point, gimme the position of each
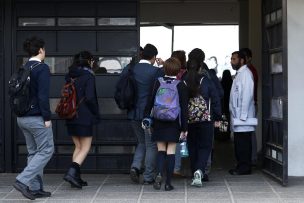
(166, 103)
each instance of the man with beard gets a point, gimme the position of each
(242, 111)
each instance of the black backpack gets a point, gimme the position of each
(19, 90)
(126, 90)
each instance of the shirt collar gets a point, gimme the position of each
(241, 68)
(144, 61)
(34, 59)
(173, 77)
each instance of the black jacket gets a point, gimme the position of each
(88, 109)
(39, 88)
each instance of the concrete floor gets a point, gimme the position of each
(114, 188)
(222, 188)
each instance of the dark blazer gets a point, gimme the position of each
(145, 75)
(208, 91)
(39, 90)
(88, 110)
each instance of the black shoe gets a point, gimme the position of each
(82, 182)
(72, 176)
(205, 177)
(157, 183)
(237, 172)
(40, 193)
(24, 190)
(134, 175)
(169, 187)
(148, 182)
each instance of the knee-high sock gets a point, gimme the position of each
(170, 167)
(161, 158)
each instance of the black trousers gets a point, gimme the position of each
(199, 142)
(243, 151)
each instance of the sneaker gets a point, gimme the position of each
(197, 180)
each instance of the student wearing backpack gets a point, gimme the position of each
(169, 100)
(200, 130)
(199, 55)
(145, 154)
(80, 127)
(36, 123)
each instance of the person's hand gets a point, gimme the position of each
(47, 124)
(183, 135)
(217, 124)
(159, 61)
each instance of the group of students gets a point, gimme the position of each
(156, 149)
(156, 152)
(192, 79)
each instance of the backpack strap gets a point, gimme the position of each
(34, 66)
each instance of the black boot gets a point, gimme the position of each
(72, 175)
(82, 182)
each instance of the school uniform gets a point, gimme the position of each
(200, 135)
(39, 139)
(169, 131)
(88, 109)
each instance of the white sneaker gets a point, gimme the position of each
(197, 180)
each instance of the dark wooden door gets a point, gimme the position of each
(275, 97)
(108, 29)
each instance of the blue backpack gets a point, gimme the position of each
(166, 103)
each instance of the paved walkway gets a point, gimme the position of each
(115, 188)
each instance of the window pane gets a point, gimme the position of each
(117, 21)
(53, 104)
(56, 64)
(277, 108)
(111, 64)
(59, 64)
(76, 21)
(36, 22)
(107, 106)
(276, 62)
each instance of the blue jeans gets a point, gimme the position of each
(146, 151)
(40, 147)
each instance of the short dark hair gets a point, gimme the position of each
(181, 56)
(32, 46)
(247, 52)
(241, 55)
(149, 52)
(197, 54)
(172, 66)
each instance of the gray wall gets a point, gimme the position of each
(295, 29)
(190, 12)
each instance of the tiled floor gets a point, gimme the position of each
(222, 188)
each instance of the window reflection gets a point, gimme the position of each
(56, 64)
(111, 64)
(276, 63)
(277, 108)
(117, 21)
(36, 22)
(76, 21)
(53, 104)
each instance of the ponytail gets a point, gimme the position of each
(193, 78)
